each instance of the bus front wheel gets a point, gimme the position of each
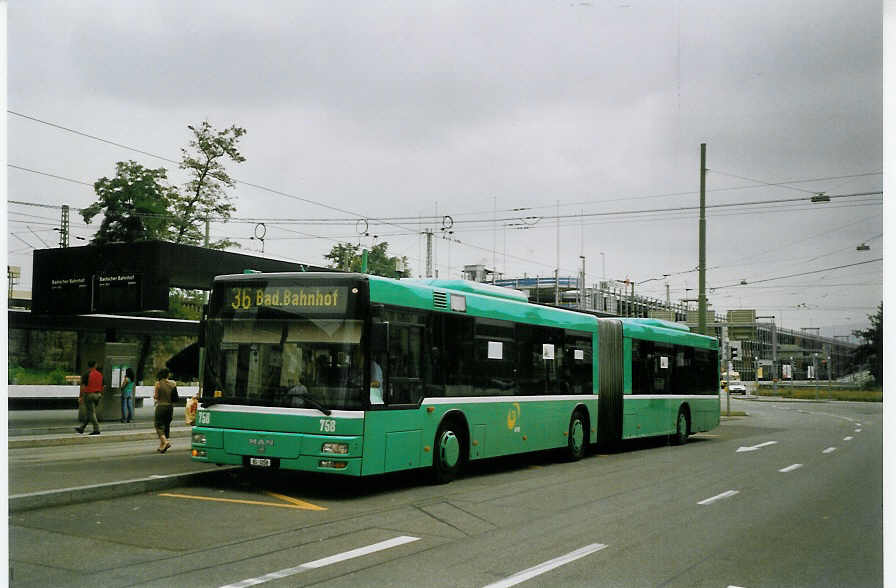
(448, 448)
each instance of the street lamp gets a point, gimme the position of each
(756, 373)
(815, 372)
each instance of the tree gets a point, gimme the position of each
(348, 257)
(342, 256)
(135, 205)
(871, 352)
(204, 195)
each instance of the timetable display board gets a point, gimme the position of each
(117, 292)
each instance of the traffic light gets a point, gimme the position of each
(734, 353)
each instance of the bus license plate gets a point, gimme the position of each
(262, 462)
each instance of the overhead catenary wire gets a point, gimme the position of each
(818, 271)
(763, 182)
(388, 220)
(674, 194)
(579, 217)
(394, 221)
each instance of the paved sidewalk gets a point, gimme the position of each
(59, 421)
(120, 461)
(46, 428)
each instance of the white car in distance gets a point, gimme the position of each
(737, 388)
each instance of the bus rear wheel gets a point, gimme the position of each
(577, 439)
(681, 428)
(448, 449)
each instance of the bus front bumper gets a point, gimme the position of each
(308, 452)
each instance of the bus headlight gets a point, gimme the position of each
(336, 465)
(341, 448)
(199, 438)
(200, 453)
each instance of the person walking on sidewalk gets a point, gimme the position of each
(91, 393)
(127, 396)
(165, 395)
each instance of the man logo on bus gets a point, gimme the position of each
(513, 415)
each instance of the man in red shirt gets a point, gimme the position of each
(91, 393)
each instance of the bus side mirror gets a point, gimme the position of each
(379, 338)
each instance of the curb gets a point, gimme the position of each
(76, 439)
(79, 494)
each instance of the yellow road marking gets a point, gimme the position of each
(296, 503)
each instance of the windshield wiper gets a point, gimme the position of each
(313, 402)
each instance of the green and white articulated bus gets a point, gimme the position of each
(361, 375)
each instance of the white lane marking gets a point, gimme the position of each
(727, 494)
(858, 431)
(319, 563)
(848, 438)
(546, 566)
(790, 468)
(830, 450)
(755, 447)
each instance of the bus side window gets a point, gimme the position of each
(434, 374)
(457, 355)
(405, 378)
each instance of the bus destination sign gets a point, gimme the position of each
(328, 299)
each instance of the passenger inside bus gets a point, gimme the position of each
(376, 383)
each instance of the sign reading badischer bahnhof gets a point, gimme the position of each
(133, 277)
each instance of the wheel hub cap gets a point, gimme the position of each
(449, 449)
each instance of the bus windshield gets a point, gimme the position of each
(314, 363)
(286, 343)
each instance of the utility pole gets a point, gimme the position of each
(64, 227)
(582, 286)
(774, 357)
(428, 233)
(557, 287)
(557, 270)
(603, 263)
(701, 292)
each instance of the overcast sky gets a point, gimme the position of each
(402, 110)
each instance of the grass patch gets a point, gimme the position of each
(33, 376)
(825, 393)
